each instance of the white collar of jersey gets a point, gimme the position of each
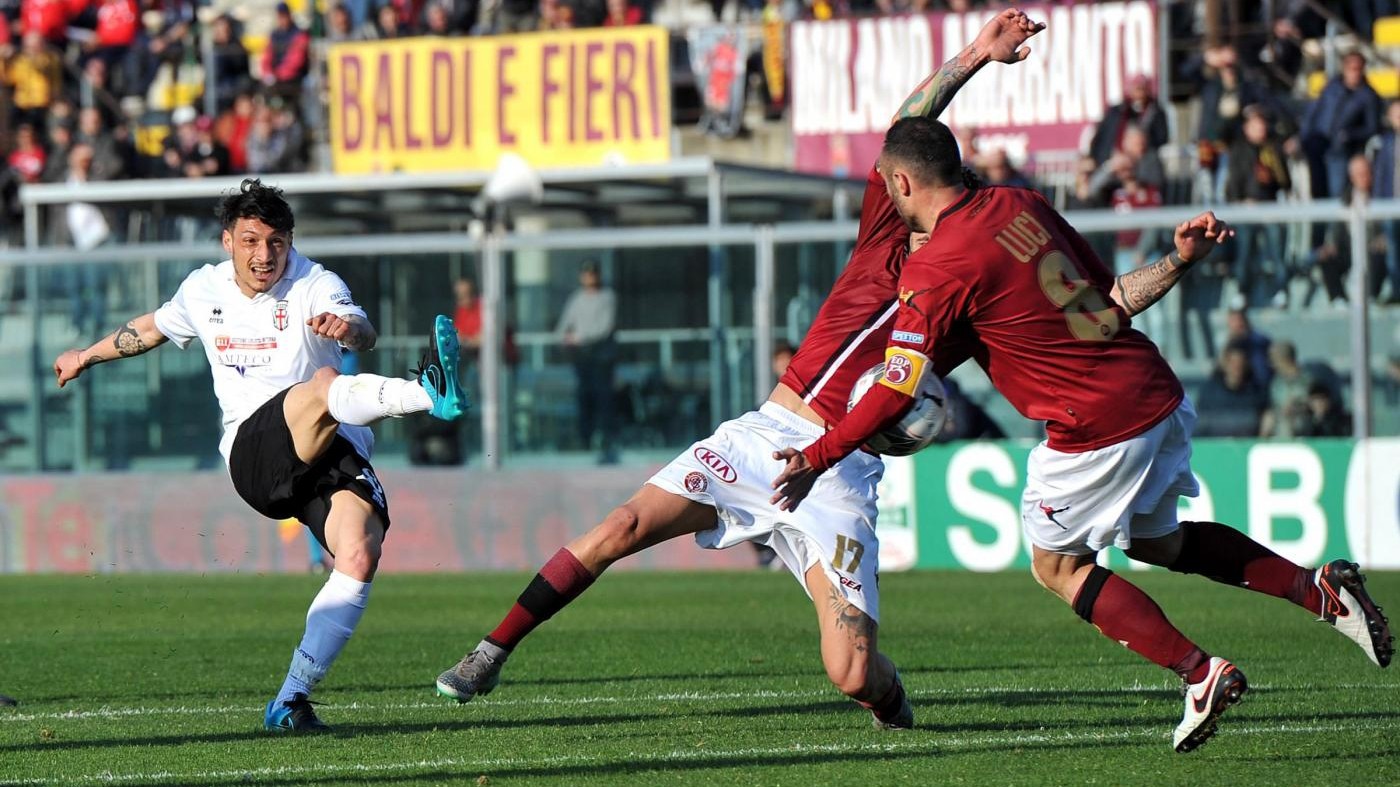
(296, 268)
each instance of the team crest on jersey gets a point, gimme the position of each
(718, 465)
(280, 316)
(695, 482)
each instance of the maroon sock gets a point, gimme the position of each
(1226, 555)
(887, 707)
(1124, 613)
(560, 581)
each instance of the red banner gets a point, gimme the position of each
(849, 76)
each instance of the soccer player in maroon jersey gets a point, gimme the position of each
(1051, 327)
(718, 490)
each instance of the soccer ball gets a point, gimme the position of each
(917, 429)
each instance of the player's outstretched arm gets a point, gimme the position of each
(1000, 40)
(1136, 290)
(138, 336)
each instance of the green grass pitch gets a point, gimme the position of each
(668, 679)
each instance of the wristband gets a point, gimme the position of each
(1177, 262)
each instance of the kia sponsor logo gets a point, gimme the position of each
(717, 464)
(898, 369)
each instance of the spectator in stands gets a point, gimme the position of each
(965, 419)
(93, 90)
(385, 26)
(1258, 174)
(60, 142)
(109, 160)
(232, 129)
(88, 228)
(266, 146)
(230, 62)
(34, 74)
(340, 25)
(28, 158)
(586, 328)
(46, 18)
(1287, 392)
(556, 15)
(622, 13)
(211, 158)
(284, 61)
(466, 316)
(435, 21)
(1147, 162)
(997, 171)
(1322, 416)
(117, 26)
(1386, 176)
(167, 33)
(1141, 108)
(1227, 90)
(511, 16)
(1231, 403)
(1241, 333)
(1339, 124)
(1131, 246)
(179, 155)
(1333, 258)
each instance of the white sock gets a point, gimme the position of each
(330, 621)
(363, 399)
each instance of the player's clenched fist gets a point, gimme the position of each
(333, 326)
(68, 366)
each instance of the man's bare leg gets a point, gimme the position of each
(354, 534)
(853, 663)
(650, 517)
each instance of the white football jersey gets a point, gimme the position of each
(259, 346)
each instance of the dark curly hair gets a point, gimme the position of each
(253, 200)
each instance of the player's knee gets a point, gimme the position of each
(320, 382)
(620, 532)
(360, 560)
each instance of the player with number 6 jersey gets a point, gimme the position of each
(1053, 331)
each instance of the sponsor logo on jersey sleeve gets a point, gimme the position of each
(281, 316)
(903, 369)
(908, 298)
(717, 465)
(342, 298)
(910, 337)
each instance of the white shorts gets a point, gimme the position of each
(1077, 504)
(733, 469)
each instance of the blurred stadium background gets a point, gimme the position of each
(709, 158)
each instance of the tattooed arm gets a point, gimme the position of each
(138, 336)
(1136, 290)
(1000, 40)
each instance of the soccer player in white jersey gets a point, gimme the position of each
(273, 324)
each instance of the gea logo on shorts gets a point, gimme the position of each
(898, 369)
(717, 464)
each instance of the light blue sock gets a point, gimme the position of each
(330, 621)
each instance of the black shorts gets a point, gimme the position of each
(270, 477)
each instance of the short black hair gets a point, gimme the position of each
(926, 148)
(253, 200)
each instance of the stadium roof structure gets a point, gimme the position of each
(687, 191)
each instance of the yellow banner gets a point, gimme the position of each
(576, 98)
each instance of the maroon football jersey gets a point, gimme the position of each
(1003, 265)
(853, 326)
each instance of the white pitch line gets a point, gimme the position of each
(699, 697)
(931, 746)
